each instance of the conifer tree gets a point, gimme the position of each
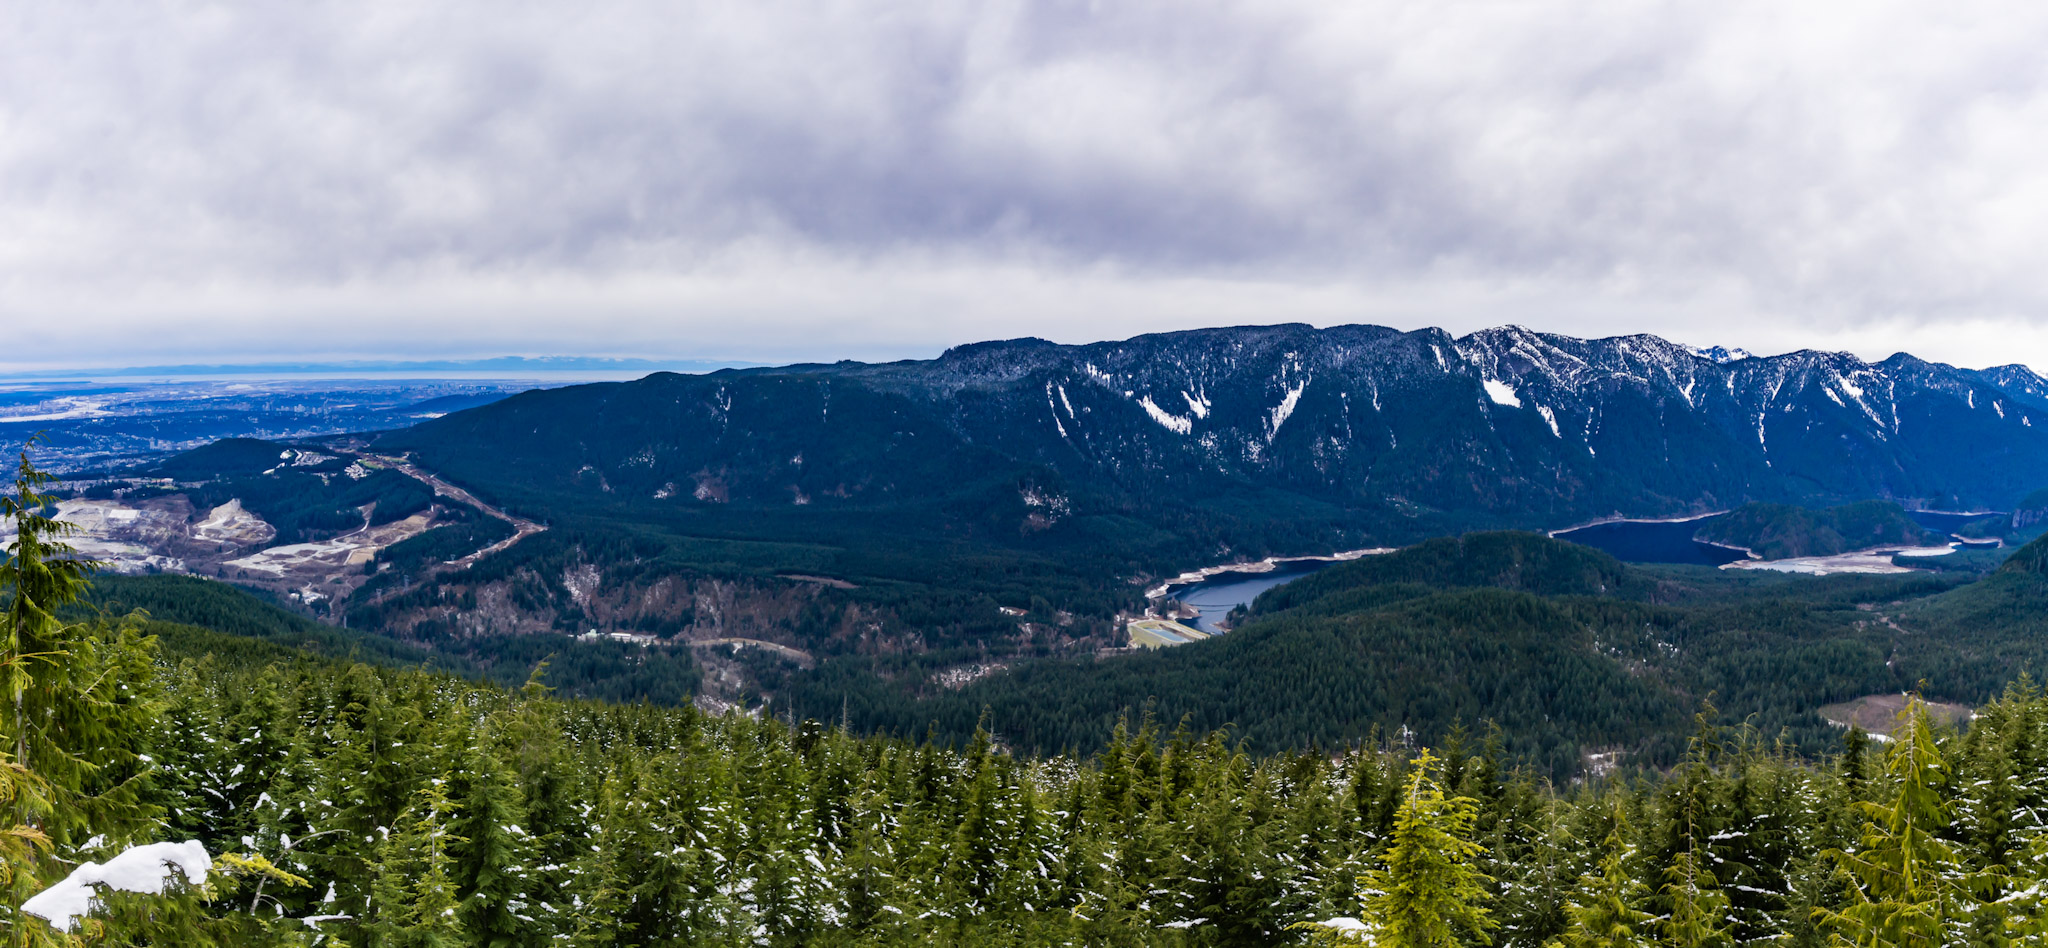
(1698, 910)
(490, 853)
(1426, 893)
(1609, 912)
(414, 900)
(1910, 887)
(81, 696)
(598, 914)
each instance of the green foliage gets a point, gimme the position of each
(228, 457)
(218, 618)
(80, 694)
(1910, 885)
(420, 809)
(1427, 893)
(1610, 913)
(81, 705)
(680, 826)
(1526, 562)
(305, 506)
(442, 544)
(1609, 661)
(1975, 562)
(2030, 560)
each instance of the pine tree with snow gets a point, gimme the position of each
(1910, 887)
(1698, 916)
(598, 910)
(80, 705)
(490, 852)
(1609, 912)
(81, 696)
(414, 902)
(1427, 893)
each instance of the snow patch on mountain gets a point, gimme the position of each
(1166, 419)
(1054, 409)
(1502, 393)
(1282, 411)
(1197, 406)
(1719, 354)
(1550, 417)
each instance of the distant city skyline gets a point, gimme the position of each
(775, 182)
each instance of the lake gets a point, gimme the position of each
(1641, 541)
(1216, 596)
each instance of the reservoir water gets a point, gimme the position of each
(1216, 596)
(1640, 541)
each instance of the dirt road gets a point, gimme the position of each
(522, 528)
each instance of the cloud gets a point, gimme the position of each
(775, 180)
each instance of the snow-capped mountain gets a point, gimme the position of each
(1516, 424)
(1719, 354)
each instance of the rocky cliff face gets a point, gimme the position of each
(1517, 424)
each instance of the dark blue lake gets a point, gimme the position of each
(1218, 595)
(1636, 541)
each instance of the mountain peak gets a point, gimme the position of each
(1358, 418)
(1720, 355)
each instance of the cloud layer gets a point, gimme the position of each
(768, 180)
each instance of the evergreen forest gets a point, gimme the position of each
(169, 784)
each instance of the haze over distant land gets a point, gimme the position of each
(780, 182)
(501, 367)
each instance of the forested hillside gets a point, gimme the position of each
(1779, 531)
(343, 804)
(871, 535)
(1504, 426)
(239, 786)
(178, 606)
(1578, 659)
(879, 526)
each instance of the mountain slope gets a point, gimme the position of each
(1569, 651)
(1506, 424)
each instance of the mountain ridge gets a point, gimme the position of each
(1506, 424)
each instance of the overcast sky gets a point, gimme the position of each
(774, 181)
